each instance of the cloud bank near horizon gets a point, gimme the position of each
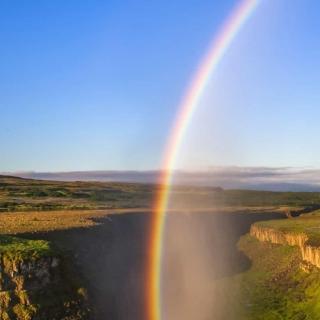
(258, 178)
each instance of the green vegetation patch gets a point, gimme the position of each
(17, 249)
(18, 194)
(275, 287)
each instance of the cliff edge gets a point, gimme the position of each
(303, 232)
(35, 283)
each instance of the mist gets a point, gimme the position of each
(200, 258)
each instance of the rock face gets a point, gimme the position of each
(37, 289)
(310, 254)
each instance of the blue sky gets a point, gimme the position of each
(89, 85)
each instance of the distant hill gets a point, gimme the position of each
(11, 178)
(107, 176)
(253, 178)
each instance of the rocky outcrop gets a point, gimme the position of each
(38, 289)
(309, 253)
(278, 237)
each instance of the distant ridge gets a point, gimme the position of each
(119, 176)
(253, 178)
(5, 177)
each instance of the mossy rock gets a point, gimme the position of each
(38, 282)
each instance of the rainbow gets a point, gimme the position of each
(220, 45)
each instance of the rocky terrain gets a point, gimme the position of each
(303, 232)
(37, 283)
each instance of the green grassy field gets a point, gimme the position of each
(18, 194)
(27, 195)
